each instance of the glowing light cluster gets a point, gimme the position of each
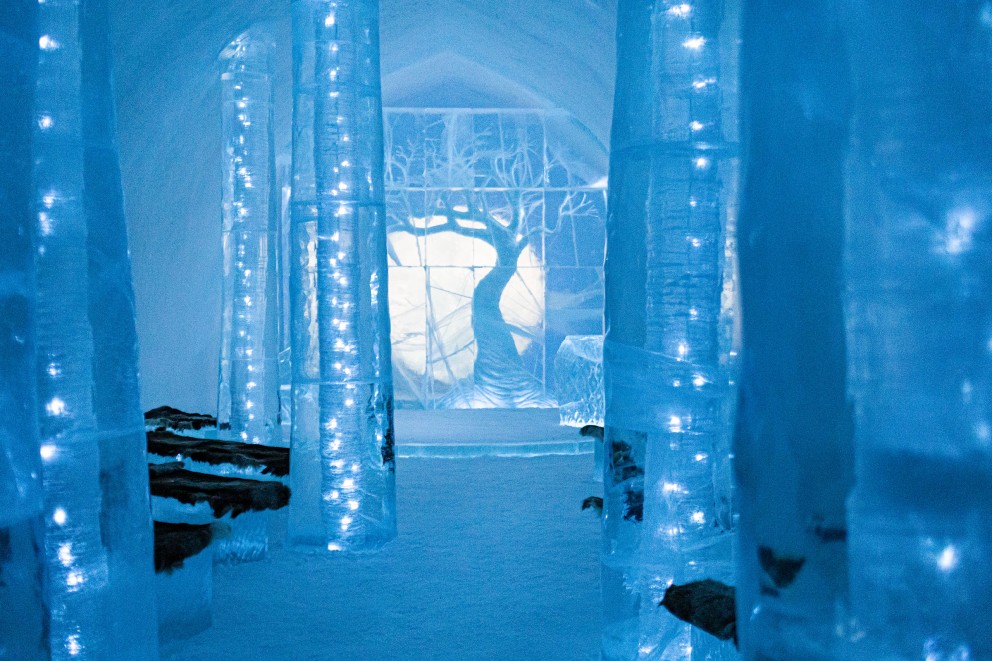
(248, 389)
(675, 347)
(342, 420)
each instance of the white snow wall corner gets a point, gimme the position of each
(673, 190)
(919, 314)
(343, 466)
(248, 397)
(94, 533)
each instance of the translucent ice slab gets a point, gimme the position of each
(579, 375)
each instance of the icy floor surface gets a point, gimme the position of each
(494, 560)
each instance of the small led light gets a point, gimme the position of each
(694, 43)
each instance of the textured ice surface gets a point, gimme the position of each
(919, 307)
(248, 395)
(496, 230)
(579, 377)
(794, 456)
(343, 459)
(185, 597)
(20, 492)
(673, 178)
(97, 529)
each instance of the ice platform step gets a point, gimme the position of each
(470, 433)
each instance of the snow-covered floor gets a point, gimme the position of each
(494, 560)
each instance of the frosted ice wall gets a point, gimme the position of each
(672, 190)
(20, 493)
(919, 314)
(96, 530)
(21, 628)
(496, 233)
(342, 477)
(579, 377)
(793, 448)
(248, 397)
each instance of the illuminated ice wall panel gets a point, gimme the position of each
(496, 233)
(342, 466)
(673, 179)
(21, 628)
(794, 447)
(96, 527)
(919, 316)
(248, 397)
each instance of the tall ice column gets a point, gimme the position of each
(343, 477)
(919, 251)
(673, 178)
(21, 627)
(92, 544)
(248, 397)
(793, 447)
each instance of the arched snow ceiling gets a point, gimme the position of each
(530, 53)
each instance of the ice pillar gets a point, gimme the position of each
(919, 251)
(672, 187)
(249, 373)
(793, 446)
(97, 537)
(21, 625)
(342, 473)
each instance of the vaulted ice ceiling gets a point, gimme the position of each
(523, 53)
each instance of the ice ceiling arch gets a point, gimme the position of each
(168, 93)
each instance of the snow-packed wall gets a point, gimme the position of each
(343, 463)
(673, 178)
(248, 397)
(94, 544)
(919, 315)
(793, 447)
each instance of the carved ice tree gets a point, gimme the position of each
(482, 192)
